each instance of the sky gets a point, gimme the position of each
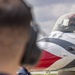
(46, 12)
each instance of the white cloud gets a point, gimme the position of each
(60, 9)
(39, 2)
(49, 2)
(47, 26)
(43, 13)
(72, 8)
(51, 12)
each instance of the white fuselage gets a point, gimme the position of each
(56, 49)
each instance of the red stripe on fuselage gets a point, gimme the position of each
(47, 59)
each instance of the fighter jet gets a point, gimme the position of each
(58, 48)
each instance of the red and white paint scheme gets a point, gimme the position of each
(54, 56)
(58, 48)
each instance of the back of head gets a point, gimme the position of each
(14, 12)
(15, 38)
(15, 18)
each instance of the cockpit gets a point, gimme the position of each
(66, 23)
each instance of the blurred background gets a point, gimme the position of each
(46, 12)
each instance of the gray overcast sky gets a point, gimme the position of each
(46, 12)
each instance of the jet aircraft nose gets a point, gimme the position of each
(47, 59)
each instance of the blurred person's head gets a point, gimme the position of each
(15, 18)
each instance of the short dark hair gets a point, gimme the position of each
(12, 14)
